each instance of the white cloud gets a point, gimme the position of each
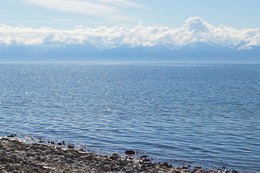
(194, 30)
(108, 9)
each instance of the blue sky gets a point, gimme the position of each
(66, 14)
(108, 24)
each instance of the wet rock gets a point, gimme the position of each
(129, 157)
(130, 152)
(185, 167)
(114, 156)
(61, 143)
(144, 156)
(176, 171)
(144, 159)
(197, 167)
(51, 142)
(234, 171)
(70, 146)
(167, 165)
(12, 136)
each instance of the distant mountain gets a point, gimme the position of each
(195, 52)
(195, 41)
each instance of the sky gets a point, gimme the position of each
(66, 14)
(108, 24)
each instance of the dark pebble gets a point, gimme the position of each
(51, 142)
(234, 171)
(130, 152)
(12, 136)
(61, 143)
(144, 156)
(106, 168)
(114, 156)
(167, 165)
(146, 160)
(116, 169)
(4, 160)
(143, 167)
(70, 146)
(197, 167)
(185, 167)
(36, 170)
(69, 161)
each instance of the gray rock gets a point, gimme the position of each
(106, 168)
(130, 152)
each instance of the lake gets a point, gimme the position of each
(201, 114)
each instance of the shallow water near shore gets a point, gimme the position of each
(205, 115)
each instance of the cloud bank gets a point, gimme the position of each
(194, 30)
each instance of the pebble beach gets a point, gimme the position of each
(20, 157)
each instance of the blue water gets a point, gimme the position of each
(204, 114)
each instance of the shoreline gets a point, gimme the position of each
(18, 156)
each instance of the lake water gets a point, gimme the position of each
(201, 114)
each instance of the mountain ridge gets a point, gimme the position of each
(195, 52)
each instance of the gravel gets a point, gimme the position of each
(20, 157)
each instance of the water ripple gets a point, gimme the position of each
(203, 115)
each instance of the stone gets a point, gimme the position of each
(69, 161)
(61, 143)
(144, 156)
(116, 168)
(144, 159)
(130, 152)
(88, 157)
(51, 142)
(143, 167)
(4, 160)
(114, 156)
(197, 167)
(36, 170)
(12, 136)
(70, 146)
(48, 158)
(165, 164)
(185, 167)
(106, 168)
(234, 171)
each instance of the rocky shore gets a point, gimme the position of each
(20, 157)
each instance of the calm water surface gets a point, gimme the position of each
(204, 114)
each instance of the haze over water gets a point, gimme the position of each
(204, 114)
